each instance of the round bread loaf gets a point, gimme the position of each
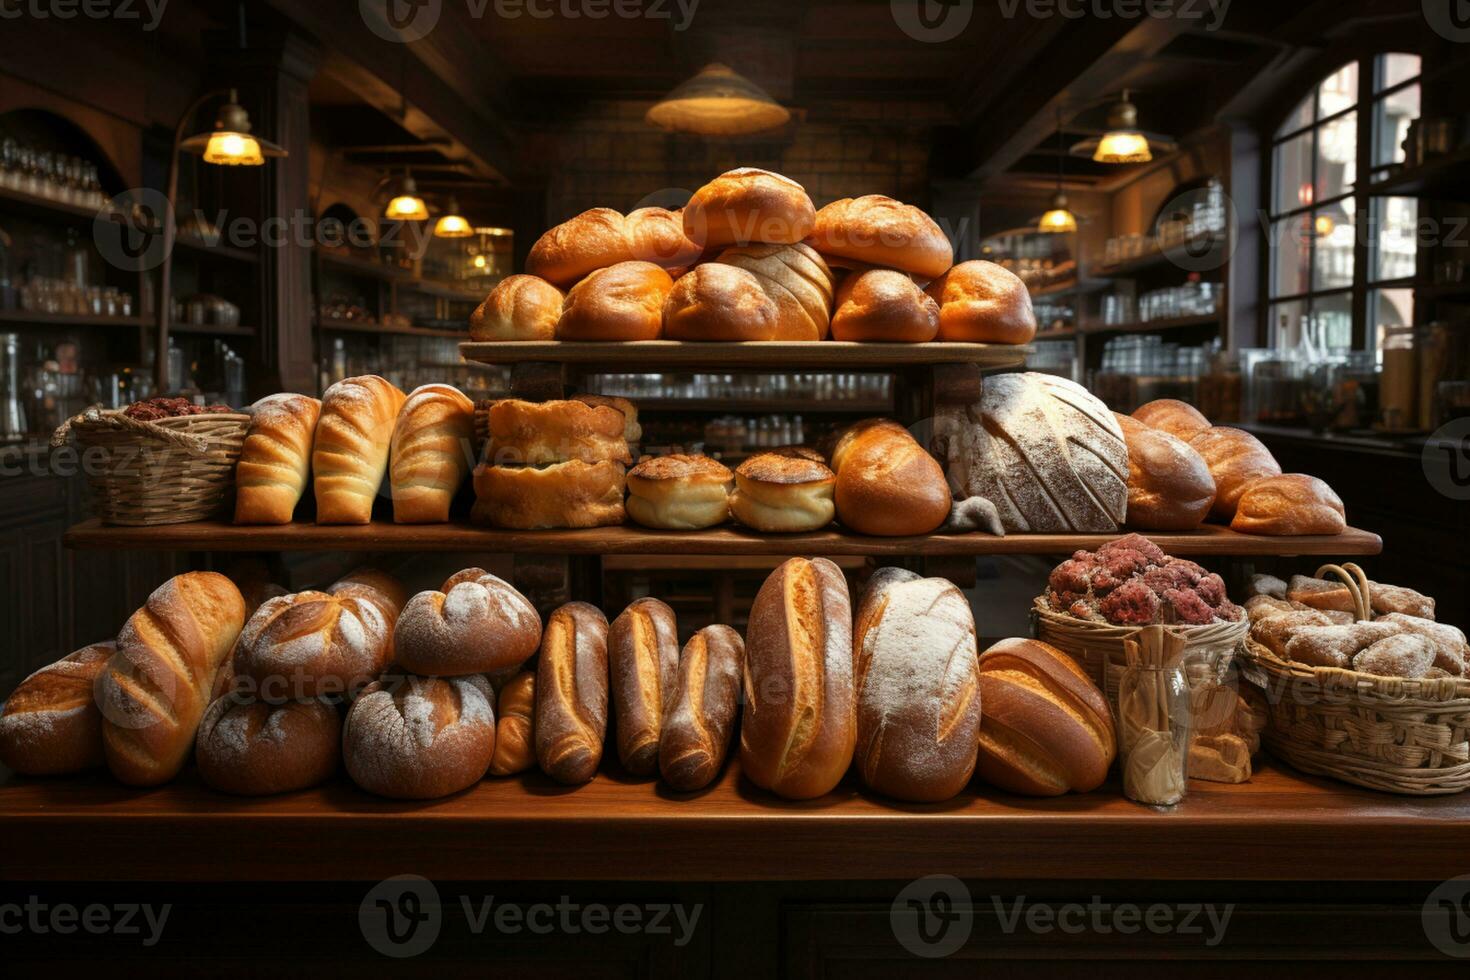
(1046, 729)
(515, 747)
(571, 494)
(783, 492)
(796, 279)
(678, 492)
(621, 302)
(880, 231)
(983, 303)
(416, 738)
(718, 302)
(1291, 503)
(657, 235)
(1179, 419)
(520, 307)
(1169, 485)
(884, 305)
(526, 433)
(592, 240)
(887, 484)
(479, 623)
(254, 748)
(1236, 459)
(746, 206)
(51, 724)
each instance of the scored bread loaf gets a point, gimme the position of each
(701, 708)
(643, 659)
(796, 279)
(432, 448)
(275, 460)
(887, 484)
(719, 302)
(254, 748)
(1236, 460)
(571, 693)
(746, 206)
(416, 738)
(50, 724)
(1169, 486)
(349, 456)
(478, 624)
(515, 746)
(879, 231)
(918, 687)
(799, 727)
(520, 307)
(157, 684)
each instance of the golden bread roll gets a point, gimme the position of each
(983, 303)
(417, 738)
(702, 704)
(533, 433)
(799, 725)
(254, 748)
(746, 206)
(1169, 486)
(880, 231)
(515, 747)
(632, 431)
(571, 494)
(349, 456)
(1046, 728)
(520, 307)
(621, 302)
(567, 253)
(779, 492)
(1180, 419)
(917, 684)
(50, 724)
(643, 659)
(657, 235)
(884, 306)
(432, 448)
(275, 461)
(1236, 460)
(796, 279)
(887, 484)
(1292, 503)
(478, 624)
(718, 302)
(678, 492)
(571, 693)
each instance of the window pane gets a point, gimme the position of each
(1301, 116)
(1388, 308)
(1337, 156)
(1395, 68)
(1286, 323)
(1336, 230)
(1338, 91)
(1331, 321)
(1395, 237)
(1291, 245)
(1293, 173)
(1391, 118)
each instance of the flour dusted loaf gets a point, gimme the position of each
(253, 748)
(1043, 450)
(478, 623)
(415, 738)
(50, 723)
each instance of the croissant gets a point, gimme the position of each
(350, 455)
(431, 453)
(276, 459)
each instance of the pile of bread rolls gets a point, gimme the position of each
(750, 258)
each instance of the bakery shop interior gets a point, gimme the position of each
(697, 488)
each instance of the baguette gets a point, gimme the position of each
(702, 704)
(432, 448)
(887, 484)
(643, 661)
(571, 693)
(515, 747)
(275, 460)
(50, 724)
(350, 453)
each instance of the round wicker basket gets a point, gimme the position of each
(165, 472)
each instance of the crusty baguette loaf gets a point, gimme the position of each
(432, 449)
(350, 454)
(254, 748)
(275, 461)
(571, 693)
(887, 484)
(415, 738)
(918, 687)
(50, 723)
(479, 623)
(643, 661)
(515, 746)
(156, 686)
(702, 704)
(799, 726)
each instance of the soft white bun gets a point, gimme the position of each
(678, 492)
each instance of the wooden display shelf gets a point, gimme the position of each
(1150, 326)
(217, 248)
(632, 540)
(1184, 254)
(771, 405)
(1280, 826)
(212, 329)
(71, 319)
(374, 327)
(775, 354)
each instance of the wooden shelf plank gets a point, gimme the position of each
(646, 354)
(774, 404)
(1149, 326)
(528, 828)
(1188, 253)
(217, 249)
(70, 319)
(630, 540)
(16, 201)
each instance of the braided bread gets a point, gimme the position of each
(350, 454)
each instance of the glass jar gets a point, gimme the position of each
(1153, 718)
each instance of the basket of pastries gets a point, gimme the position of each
(1362, 683)
(160, 461)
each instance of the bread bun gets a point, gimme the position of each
(718, 302)
(643, 660)
(782, 492)
(678, 492)
(1292, 503)
(883, 232)
(1169, 485)
(887, 484)
(592, 240)
(571, 494)
(796, 279)
(515, 748)
(1179, 419)
(571, 693)
(1046, 729)
(417, 738)
(526, 433)
(253, 748)
(701, 707)
(477, 624)
(657, 235)
(51, 724)
(1236, 459)
(621, 302)
(983, 303)
(520, 307)
(885, 306)
(745, 206)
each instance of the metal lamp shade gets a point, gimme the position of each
(718, 102)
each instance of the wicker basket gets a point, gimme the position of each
(1384, 733)
(165, 472)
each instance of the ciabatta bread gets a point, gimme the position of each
(432, 451)
(350, 455)
(275, 461)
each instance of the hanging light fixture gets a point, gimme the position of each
(452, 224)
(407, 206)
(1123, 141)
(717, 102)
(1059, 218)
(230, 143)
